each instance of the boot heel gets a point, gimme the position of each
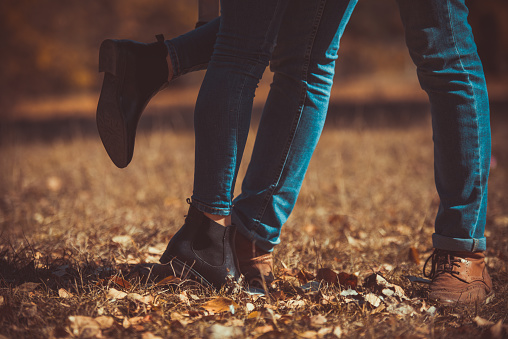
(108, 57)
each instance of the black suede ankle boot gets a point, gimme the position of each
(133, 73)
(203, 250)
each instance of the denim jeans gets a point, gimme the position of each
(300, 40)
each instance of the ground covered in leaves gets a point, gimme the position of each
(73, 226)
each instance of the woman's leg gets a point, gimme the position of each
(192, 51)
(134, 73)
(243, 48)
(303, 65)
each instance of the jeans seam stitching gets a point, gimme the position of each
(258, 61)
(479, 167)
(237, 132)
(207, 207)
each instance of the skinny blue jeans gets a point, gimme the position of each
(300, 40)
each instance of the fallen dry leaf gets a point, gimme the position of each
(401, 309)
(149, 335)
(278, 295)
(184, 298)
(180, 318)
(157, 249)
(147, 299)
(84, 327)
(317, 320)
(169, 280)
(414, 256)
(348, 280)
(220, 331)
(220, 304)
(308, 334)
(325, 331)
(120, 282)
(348, 293)
(379, 284)
(136, 323)
(126, 323)
(63, 293)
(327, 275)
(431, 310)
(296, 303)
(254, 315)
(105, 322)
(116, 294)
(372, 299)
(263, 329)
(304, 276)
(350, 296)
(337, 331)
(124, 240)
(249, 307)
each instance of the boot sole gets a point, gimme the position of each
(110, 120)
(456, 300)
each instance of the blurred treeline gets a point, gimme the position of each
(50, 46)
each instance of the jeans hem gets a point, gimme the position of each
(250, 234)
(225, 211)
(173, 56)
(458, 244)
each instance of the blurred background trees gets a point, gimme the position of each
(50, 47)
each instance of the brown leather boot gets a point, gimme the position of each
(255, 264)
(458, 277)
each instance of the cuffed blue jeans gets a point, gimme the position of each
(300, 40)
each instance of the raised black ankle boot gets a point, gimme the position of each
(133, 73)
(203, 250)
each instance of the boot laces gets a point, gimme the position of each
(441, 262)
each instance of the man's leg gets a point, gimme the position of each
(293, 117)
(442, 46)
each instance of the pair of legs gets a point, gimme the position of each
(304, 37)
(300, 40)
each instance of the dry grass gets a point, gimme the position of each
(71, 221)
